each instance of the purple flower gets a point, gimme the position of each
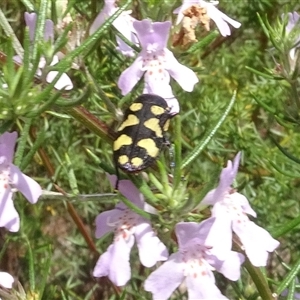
(230, 211)
(12, 177)
(6, 280)
(64, 81)
(293, 20)
(123, 24)
(213, 13)
(158, 63)
(30, 20)
(127, 226)
(193, 263)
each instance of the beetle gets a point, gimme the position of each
(141, 135)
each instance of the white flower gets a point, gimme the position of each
(157, 64)
(216, 15)
(193, 264)
(230, 211)
(128, 227)
(12, 177)
(6, 280)
(123, 23)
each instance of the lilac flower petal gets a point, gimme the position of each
(226, 179)
(174, 105)
(124, 24)
(257, 242)
(221, 227)
(9, 217)
(151, 249)
(158, 83)
(185, 77)
(230, 267)
(114, 263)
(108, 10)
(49, 31)
(131, 76)
(6, 280)
(64, 81)
(106, 221)
(221, 19)
(27, 186)
(244, 203)
(293, 19)
(203, 287)
(229, 173)
(152, 33)
(292, 53)
(102, 266)
(186, 231)
(7, 147)
(124, 48)
(30, 20)
(164, 280)
(128, 190)
(42, 63)
(209, 198)
(17, 59)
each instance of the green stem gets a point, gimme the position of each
(288, 279)
(28, 5)
(177, 144)
(10, 33)
(259, 281)
(91, 122)
(31, 265)
(28, 158)
(22, 142)
(199, 148)
(40, 27)
(287, 227)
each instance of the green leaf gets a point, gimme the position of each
(203, 143)
(289, 277)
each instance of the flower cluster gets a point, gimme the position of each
(127, 226)
(155, 62)
(200, 248)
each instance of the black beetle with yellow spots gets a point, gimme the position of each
(141, 135)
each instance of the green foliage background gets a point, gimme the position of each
(49, 247)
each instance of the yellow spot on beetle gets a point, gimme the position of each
(167, 124)
(136, 106)
(122, 140)
(130, 121)
(153, 124)
(150, 147)
(136, 162)
(157, 110)
(123, 159)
